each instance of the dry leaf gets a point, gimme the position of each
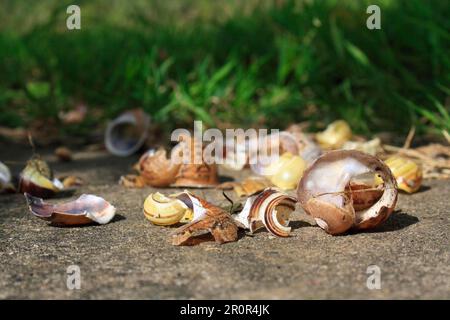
(207, 219)
(247, 187)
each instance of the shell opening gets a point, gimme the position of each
(127, 133)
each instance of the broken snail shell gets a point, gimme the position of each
(86, 209)
(127, 134)
(165, 211)
(197, 176)
(156, 169)
(322, 191)
(271, 209)
(407, 173)
(37, 179)
(192, 174)
(207, 218)
(335, 135)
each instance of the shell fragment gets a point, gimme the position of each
(271, 209)
(86, 209)
(207, 219)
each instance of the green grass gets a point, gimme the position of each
(252, 63)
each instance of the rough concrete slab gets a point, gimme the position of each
(130, 258)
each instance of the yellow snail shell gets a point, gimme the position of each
(335, 135)
(165, 211)
(285, 173)
(407, 173)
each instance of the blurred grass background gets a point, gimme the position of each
(229, 63)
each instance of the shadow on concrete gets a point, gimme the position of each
(421, 189)
(117, 218)
(64, 194)
(300, 224)
(397, 221)
(207, 237)
(224, 178)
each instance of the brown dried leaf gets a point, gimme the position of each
(132, 181)
(216, 221)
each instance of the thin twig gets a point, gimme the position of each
(11, 162)
(409, 152)
(231, 201)
(446, 135)
(409, 137)
(30, 140)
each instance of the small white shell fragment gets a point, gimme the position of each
(193, 203)
(86, 209)
(100, 216)
(58, 184)
(5, 175)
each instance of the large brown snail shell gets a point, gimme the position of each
(325, 194)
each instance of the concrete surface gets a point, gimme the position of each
(130, 258)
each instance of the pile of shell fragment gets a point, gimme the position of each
(341, 181)
(341, 189)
